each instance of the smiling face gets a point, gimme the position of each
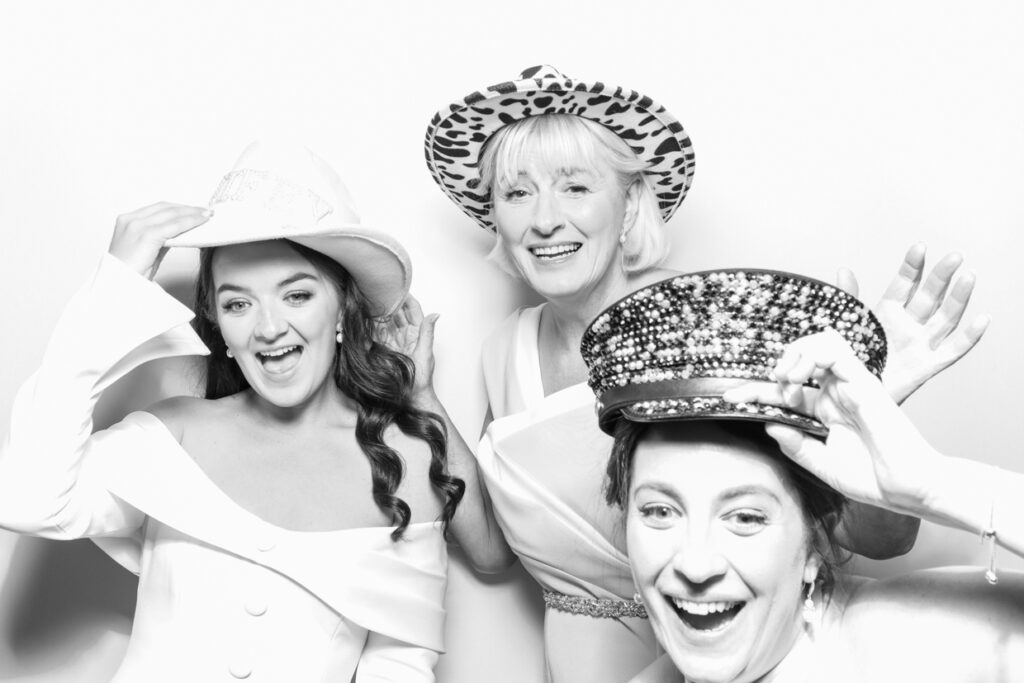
(720, 550)
(561, 199)
(278, 315)
(561, 226)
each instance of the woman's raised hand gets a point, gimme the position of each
(408, 331)
(139, 236)
(922, 320)
(873, 453)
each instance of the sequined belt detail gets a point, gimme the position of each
(599, 608)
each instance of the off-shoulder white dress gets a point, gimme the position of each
(543, 459)
(223, 595)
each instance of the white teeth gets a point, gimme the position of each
(703, 607)
(277, 352)
(555, 250)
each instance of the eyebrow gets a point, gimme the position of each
(291, 279)
(751, 490)
(726, 495)
(565, 172)
(657, 488)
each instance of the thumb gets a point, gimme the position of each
(427, 330)
(847, 281)
(807, 452)
(790, 440)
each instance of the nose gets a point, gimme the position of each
(699, 560)
(270, 325)
(547, 215)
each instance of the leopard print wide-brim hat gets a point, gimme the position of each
(457, 134)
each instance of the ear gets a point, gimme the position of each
(812, 567)
(632, 208)
(814, 561)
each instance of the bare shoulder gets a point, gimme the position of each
(178, 413)
(937, 625)
(937, 589)
(663, 670)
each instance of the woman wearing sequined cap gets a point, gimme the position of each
(732, 530)
(576, 180)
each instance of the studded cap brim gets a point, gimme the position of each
(692, 399)
(457, 134)
(670, 350)
(716, 408)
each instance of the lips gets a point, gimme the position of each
(555, 252)
(281, 360)
(706, 615)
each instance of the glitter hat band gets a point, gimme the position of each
(670, 350)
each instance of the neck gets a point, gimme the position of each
(327, 407)
(570, 315)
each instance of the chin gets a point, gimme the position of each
(700, 670)
(555, 285)
(282, 398)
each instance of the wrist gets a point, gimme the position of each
(426, 399)
(959, 494)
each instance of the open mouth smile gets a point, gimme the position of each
(705, 616)
(279, 361)
(555, 252)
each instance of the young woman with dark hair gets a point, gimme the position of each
(289, 526)
(741, 433)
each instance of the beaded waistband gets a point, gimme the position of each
(599, 608)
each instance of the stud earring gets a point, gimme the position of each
(229, 353)
(340, 336)
(622, 237)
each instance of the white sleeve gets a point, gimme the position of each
(386, 660)
(118, 321)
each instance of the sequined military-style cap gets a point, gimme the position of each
(670, 350)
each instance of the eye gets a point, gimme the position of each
(513, 194)
(658, 515)
(577, 189)
(746, 522)
(298, 298)
(234, 306)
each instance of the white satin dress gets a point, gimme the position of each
(543, 459)
(223, 595)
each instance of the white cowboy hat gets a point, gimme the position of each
(283, 191)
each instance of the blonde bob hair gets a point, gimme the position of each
(569, 141)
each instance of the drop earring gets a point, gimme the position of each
(622, 238)
(229, 353)
(340, 336)
(809, 601)
(637, 598)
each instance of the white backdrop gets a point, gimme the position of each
(826, 134)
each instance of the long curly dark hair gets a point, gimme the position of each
(378, 379)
